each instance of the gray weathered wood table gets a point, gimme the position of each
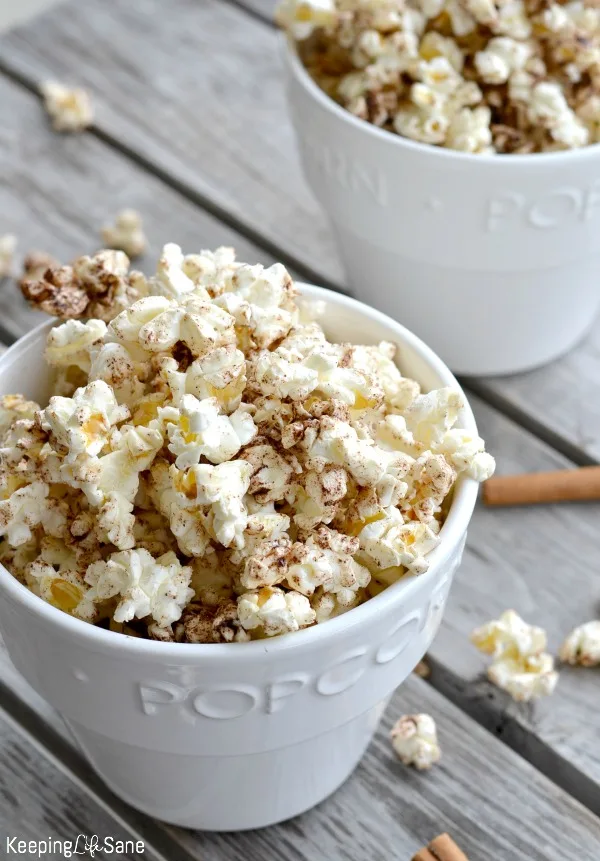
(191, 129)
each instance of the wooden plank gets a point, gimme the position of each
(40, 802)
(541, 561)
(216, 121)
(57, 191)
(493, 803)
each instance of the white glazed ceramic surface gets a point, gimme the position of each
(493, 261)
(242, 735)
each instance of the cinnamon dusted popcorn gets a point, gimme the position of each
(126, 233)
(414, 738)
(520, 665)
(209, 467)
(69, 108)
(36, 263)
(477, 76)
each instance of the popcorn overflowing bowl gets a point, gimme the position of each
(202, 733)
(492, 259)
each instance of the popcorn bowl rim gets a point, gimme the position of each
(497, 161)
(451, 534)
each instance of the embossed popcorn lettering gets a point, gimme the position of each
(343, 675)
(225, 704)
(398, 638)
(553, 209)
(503, 208)
(353, 176)
(279, 691)
(155, 694)
(196, 702)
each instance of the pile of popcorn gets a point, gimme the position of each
(478, 76)
(211, 468)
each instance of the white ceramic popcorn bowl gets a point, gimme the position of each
(235, 735)
(493, 260)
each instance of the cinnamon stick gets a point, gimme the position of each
(441, 848)
(564, 485)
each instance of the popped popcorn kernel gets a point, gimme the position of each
(414, 739)
(126, 233)
(582, 646)
(210, 467)
(69, 108)
(274, 611)
(520, 665)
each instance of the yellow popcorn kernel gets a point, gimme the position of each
(263, 596)
(93, 427)
(244, 341)
(356, 527)
(147, 409)
(231, 391)
(66, 596)
(11, 483)
(362, 403)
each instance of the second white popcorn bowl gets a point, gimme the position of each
(493, 260)
(235, 735)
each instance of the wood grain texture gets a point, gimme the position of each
(215, 120)
(56, 191)
(197, 92)
(492, 802)
(542, 562)
(40, 802)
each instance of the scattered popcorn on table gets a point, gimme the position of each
(126, 233)
(69, 108)
(477, 77)
(582, 646)
(414, 738)
(8, 243)
(210, 468)
(520, 665)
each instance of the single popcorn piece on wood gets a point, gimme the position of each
(126, 233)
(582, 646)
(8, 244)
(510, 637)
(524, 678)
(414, 738)
(520, 665)
(69, 108)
